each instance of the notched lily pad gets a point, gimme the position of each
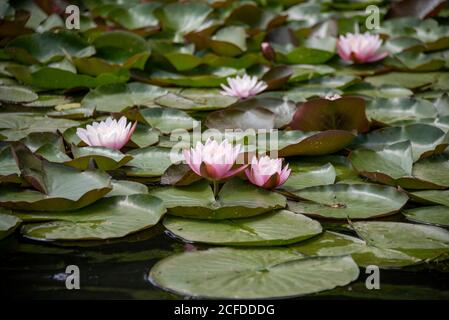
(274, 228)
(108, 218)
(104, 158)
(251, 273)
(236, 199)
(345, 201)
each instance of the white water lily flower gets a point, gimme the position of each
(243, 87)
(109, 133)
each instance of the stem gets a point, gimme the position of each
(215, 188)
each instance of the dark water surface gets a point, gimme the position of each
(31, 269)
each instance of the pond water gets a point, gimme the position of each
(119, 270)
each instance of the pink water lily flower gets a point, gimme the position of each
(360, 48)
(243, 87)
(214, 161)
(109, 133)
(267, 173)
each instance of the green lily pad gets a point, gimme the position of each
(302, 55)
(435, 215)
(17, 94)
(308, 175)
(117, 97)
(426, 140)
(9, 170)
(421, 241)
(436, 80)
(200, 99)
(167, 119)
(118, 46)
(50, 179)
(113, 217)
(345, 201)
(8, 223)
(104, 158)
(336, 244)
(204, 78)
(236, 199)
(229, 41)
(253, 113)
(399, 110)
(18, 125)
(48, 46)
(145, 136)
(431, 196)
(126, 188)
(149, 162)
(251, 273)
(53, 78)
(136, 17)
(183, 18)
(415, 61)
(346, 113)
(275, 228)
(303, 72)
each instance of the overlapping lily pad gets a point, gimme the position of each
(251, 273)
(236, 199)
(104, 158)
(435, 215)
(337, 244)
(345, 201)
(8, 223)
(275, 228)
(113, 217)
(116, 97)
(347, 113)
(394, 165)
(58, 187)
(425, 140)
(421, 241)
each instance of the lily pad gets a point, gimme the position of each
(236, 199)
(48, 46)
(421, 241)
(251, 273)
(435, 215)
(51, 181)
(9, 170)
(345, 201)
(126, 188)
(431, 196)
(254, 113)
(337, 244)
(8, 223)
(113, 217)
(426, 140)
(399, 110)
(104, 158)
(17, 94)
(275, 228)
(117, 97)
(167, 119)
(150, 161)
